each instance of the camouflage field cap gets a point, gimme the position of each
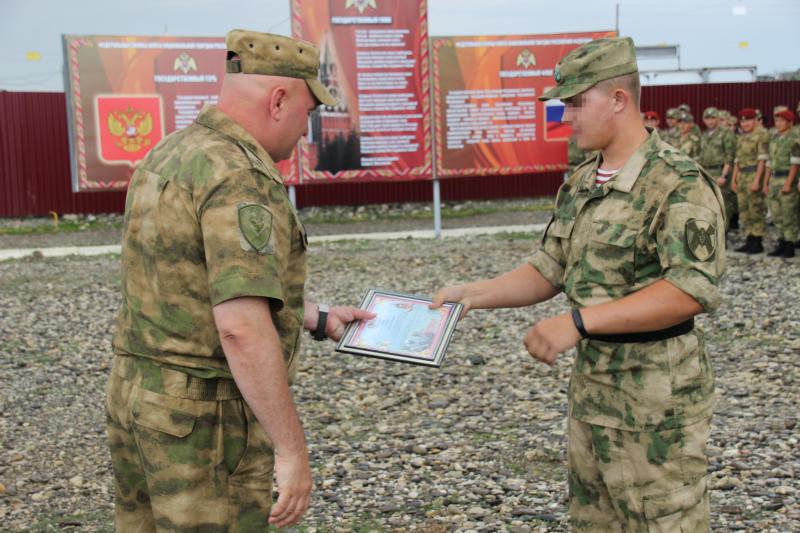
(724, 114)
(673, 112)
(591, 63)
(778, 108)
(252, 52)
(684, 108)
(686, 117)
(712, 112)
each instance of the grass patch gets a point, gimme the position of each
(68, 226)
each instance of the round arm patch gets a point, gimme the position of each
(701, 239)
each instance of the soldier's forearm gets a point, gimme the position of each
(658, 306)
(521, 287)
(255, 357)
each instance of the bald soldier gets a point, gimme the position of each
(207, 337)
(637, 244)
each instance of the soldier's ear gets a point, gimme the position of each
(277, 102)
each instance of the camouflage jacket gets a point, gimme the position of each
(690, 144)
(784, 151)
(670, 136)
(607, 242)
(751, 148)
(718, 148)
(207, 219)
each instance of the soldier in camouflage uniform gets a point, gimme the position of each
(672, 134)
(689, 142)
(636, 255)
(206, 341)
(783, 195)
(717, 151)
(748, 173)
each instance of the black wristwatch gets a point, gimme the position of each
(577, 319)
(319, 333)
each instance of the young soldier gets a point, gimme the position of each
(717, 151)
(652, 120)
(689, 142)
(748, 172)
(783, 196)
(637, 244)
(672, 134)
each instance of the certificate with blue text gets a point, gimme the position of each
(404, 329)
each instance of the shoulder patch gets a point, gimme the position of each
(255, 226)
(701, 239)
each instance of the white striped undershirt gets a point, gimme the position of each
(604, 175)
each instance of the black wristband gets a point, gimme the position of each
(577, 319)
(319, 333)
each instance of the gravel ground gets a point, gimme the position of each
(477, 445)
(107, 229)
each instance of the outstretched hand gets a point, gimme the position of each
(339, 317)
(453, 293)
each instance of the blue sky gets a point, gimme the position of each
(708, 32)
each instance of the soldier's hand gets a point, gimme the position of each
(293, 479)
(339, 317)
(755, 187)
(550, 337)
(734, 186)
(453, 293)
(721, 181)
(787, 188)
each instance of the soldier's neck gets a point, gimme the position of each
(623, 146)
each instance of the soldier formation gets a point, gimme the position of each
(756, 168)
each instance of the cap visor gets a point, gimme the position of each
(321, 93)
(561, 92)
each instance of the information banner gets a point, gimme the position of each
(126, 93)
(374, 59)
(488, 117)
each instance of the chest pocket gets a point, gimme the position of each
(611, 251)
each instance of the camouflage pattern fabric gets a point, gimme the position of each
(607, 242)
(750, 149)
(207, 219)
(671, 136)
(690, 144)
(784, 151)
(638, 482)
(188, 453)
(717, 149)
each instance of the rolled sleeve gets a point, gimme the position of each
(693, 268)
(236, 268)
(549, 259)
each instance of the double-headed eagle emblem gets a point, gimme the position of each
(184, 63)
(130, 128)
(526, 59)
(361, 5)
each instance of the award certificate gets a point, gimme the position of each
(404, 329)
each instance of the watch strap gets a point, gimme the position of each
(319, 333)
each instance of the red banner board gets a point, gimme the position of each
(126, 93)
(374, 58)
(488, 117)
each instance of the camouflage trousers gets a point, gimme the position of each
(638, 482)
(752, 205)
(188, 454)
(785, 209)
(729, 197)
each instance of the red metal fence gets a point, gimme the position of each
(35, 167)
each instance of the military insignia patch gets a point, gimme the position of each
(255, 225)
(558, 75)
(701, 239)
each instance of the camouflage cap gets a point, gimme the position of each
(712, 112)
(724, 114)
(685, 108)
(758, 115)
(778, 108)
(686, 117)
(252, 52)
(591, 63)
(673, 112)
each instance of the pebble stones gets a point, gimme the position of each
(477, 445)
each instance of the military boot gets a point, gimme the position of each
(756, 247)
(747, 246)
(797, 244)
(778, 251)
(788, 250)
(734, 221)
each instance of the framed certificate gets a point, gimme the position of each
(404, 329)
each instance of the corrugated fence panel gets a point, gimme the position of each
(35, 168)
